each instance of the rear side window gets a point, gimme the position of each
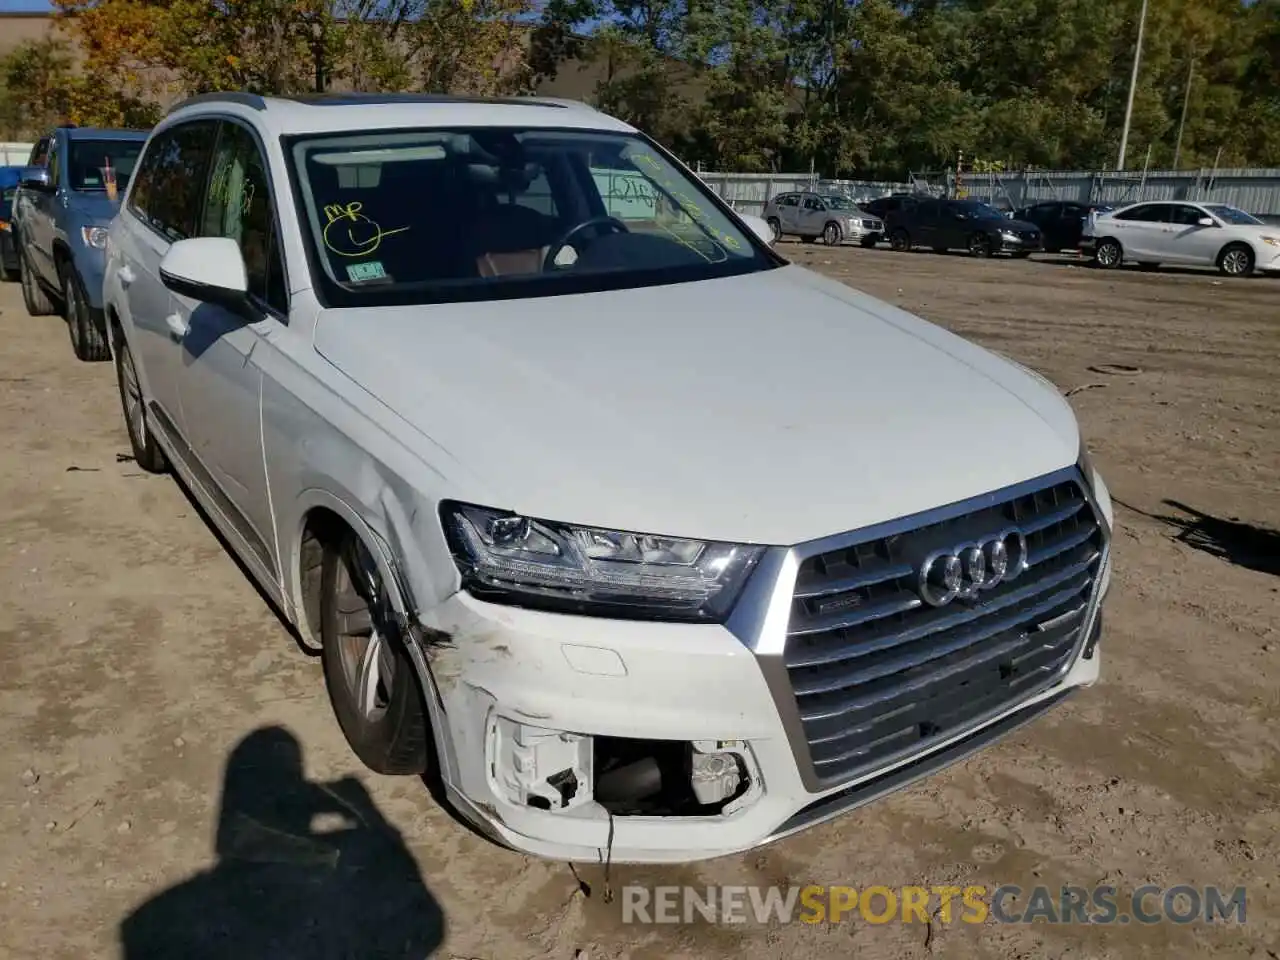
(169, 193)
(787, 200)
(1146, 213)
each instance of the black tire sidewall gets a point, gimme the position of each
(396, 742)
(146, 453)
(1222, 258)
(900, 240)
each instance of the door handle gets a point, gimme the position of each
(177, 325)
(126, 276)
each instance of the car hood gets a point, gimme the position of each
(93, 208)
(775, 407)
(1022, 226)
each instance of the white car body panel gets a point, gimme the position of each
(775, 408)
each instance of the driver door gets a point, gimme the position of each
(812, 217)
(220, 375)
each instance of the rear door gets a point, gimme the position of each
(165, 203)
(788, 206)
(1140, 230)
(812, 213)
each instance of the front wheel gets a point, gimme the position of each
(775, 227)
(371, 680)
(88, 340)
(1236, 260)
(900, 240)
(832, 235)
(980, 245)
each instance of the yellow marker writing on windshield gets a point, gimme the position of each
(349, 233)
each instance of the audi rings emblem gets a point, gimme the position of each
(965, 570)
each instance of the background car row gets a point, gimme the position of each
(1147, 233)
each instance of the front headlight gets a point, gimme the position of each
(95, 237)
(1009, 235)
(507, 558)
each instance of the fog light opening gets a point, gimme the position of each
(668, 778)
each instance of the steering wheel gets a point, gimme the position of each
(613, 223)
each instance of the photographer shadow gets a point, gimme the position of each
(304, 870)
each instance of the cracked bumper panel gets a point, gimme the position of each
(642, 680)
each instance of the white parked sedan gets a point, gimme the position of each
(656, 546)
(1184, 233)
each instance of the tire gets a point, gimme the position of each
(867, 242)
(371, 680)
(776, 227)
(34, 298)
(980, 245)
(1108, 255)
(1236, 260)
(146, 451)
(900, 240)
(88, 340)
(832, 235)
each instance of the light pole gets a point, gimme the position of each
(1186, 99)
(1133, 84)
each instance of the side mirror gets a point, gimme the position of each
(35, 178)
(759, 227)
(211, 270)
(1206, 222)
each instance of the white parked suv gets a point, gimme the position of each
(651, 545)
(1189, 234)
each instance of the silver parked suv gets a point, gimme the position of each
(830, 216)
(656, 546)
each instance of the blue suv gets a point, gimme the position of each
(69, 193)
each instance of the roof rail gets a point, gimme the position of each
(252, 100)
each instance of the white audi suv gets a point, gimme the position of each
(648, 544)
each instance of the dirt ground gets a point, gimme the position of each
(135, 657)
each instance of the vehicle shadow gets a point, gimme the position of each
(1129, 269)
(1243, 544)
(304, 870)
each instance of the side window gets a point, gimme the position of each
(1146, 213)
(812, 203)
(238, 206)
(1186, 216)
(787, 200)
(143, 182)
(176, 193)
(55, 161)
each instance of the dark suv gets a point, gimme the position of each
(960, 224)
(1061, 221)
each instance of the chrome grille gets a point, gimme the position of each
(878, 674)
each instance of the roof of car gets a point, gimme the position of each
(104, 133)
(336, 113)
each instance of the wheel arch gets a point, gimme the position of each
(1237, 242)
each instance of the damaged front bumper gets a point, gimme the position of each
(584, 739)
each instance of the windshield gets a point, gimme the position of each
(1231, 214)
(425, 216)
(92, 164)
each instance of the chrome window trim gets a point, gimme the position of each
(760, 617)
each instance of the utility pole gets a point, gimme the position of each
(1186, 99)
(1133, 85)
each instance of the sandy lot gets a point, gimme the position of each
(135, 660)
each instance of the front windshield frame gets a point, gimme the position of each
(114, 146)
(332, 293)
(1233, 215)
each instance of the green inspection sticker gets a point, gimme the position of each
(365, 271)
